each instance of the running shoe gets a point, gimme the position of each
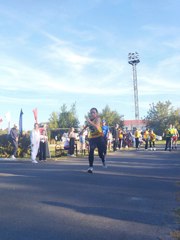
(104, 164)
(90, 170)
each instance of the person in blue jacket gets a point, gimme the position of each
(105, 130)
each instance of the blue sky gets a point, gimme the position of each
(56, 52)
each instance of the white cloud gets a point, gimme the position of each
(114, 78)
(61, 51)
(19, 77)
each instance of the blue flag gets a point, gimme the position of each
(20, 123)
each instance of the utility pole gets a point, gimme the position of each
(133, 59)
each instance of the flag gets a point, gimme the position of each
(20, 123)
(8, 116)
(35, 114)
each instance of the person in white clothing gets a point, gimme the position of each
(35, 140)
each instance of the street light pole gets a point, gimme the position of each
(133, 59)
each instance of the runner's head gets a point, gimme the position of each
(93, 112)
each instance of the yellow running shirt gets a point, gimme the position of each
(137, 134)
(93, 131)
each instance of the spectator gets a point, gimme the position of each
(137, 135)
(35, 139)
(82, 140)
(110, 141)
(14, 140)
(115, 134)
(43, 146)
(168, 134)
(72, 138)
(175, 138)
(105, 130)
(65, 141)
(152, 140)
(146, 138)
(121, 138)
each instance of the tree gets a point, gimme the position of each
(111, 117)
(64, 118)
(67, 118)
(53, 120)
(160, 116)
(3, 131)
(175, 118)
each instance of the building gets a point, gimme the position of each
(131, 125)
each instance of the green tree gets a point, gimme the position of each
(53, 120)
(67, 118)
(159, 116)
(111, 116)
(175, 118)
(5, 131)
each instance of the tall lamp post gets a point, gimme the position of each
(133, 59)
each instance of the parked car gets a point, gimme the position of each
(159, 138)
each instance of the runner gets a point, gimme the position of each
(96, 139)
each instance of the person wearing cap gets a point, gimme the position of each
(105, 130)
(14, 140)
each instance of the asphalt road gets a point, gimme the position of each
(133, 199)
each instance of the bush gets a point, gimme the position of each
(6, 147)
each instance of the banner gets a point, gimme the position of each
(21, 123)
(35, 115)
